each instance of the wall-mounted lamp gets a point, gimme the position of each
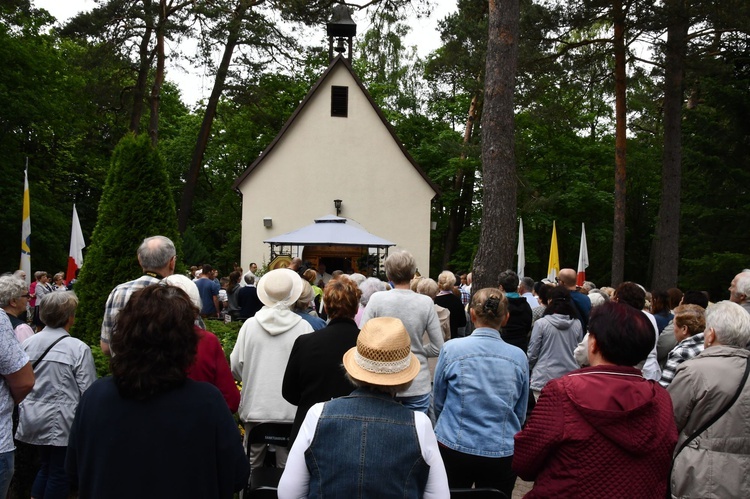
(268, 223)
(337, 204)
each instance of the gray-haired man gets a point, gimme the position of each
(157, 256)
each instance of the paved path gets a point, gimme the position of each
(522, 488)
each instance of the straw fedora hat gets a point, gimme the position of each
(383, 354)
(279, 287)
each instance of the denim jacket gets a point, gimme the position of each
(480, 394)
(366, 445)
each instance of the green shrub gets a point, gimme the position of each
(136, 203)
(227, 334)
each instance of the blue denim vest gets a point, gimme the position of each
(366, 445)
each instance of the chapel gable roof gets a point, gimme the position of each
(336, 61)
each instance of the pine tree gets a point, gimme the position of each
(136, 203)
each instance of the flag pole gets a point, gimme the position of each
(583, 258)
(553, 269)
(26, 227)
(521, 251)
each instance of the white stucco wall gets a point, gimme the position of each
(321, 158)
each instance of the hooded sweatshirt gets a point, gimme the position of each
(259, 360)
(553, 341)
(601, 431)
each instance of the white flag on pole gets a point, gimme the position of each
(521, 251)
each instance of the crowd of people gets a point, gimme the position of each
(404, 387)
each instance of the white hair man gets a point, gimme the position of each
(157, 257)
(739, 290)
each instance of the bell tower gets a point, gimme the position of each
(342, 29)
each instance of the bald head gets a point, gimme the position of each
(567, 278)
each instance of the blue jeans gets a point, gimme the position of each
(51, 481)
(419, 403)
(7, 460)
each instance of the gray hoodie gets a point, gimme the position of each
(553, 340)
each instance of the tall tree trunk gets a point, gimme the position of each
(458, 210)
(618, 237)
(155, 97)
(497, 240)
(201, 143)
(144, 64)
(667, 255)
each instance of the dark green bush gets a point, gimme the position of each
(136, 203)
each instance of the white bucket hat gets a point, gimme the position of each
(280, 287)
(187, 285)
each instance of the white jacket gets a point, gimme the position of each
(259, 360)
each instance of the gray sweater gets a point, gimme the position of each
(418, 315)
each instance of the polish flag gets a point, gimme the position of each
(75, 260)
(583, 258)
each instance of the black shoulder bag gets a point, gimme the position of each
(44, 354)
(708, 424)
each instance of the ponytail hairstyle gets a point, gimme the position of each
(490, 307)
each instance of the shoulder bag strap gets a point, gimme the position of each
(708, 424)
(58, 340)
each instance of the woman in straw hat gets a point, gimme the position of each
(367, 444)
(261, 354)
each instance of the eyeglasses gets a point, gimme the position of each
(25, 296)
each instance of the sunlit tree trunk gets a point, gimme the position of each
(155, 97)
(460, 208)
(144, 64)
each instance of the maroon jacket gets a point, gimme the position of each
(210, 365)
(601, 431)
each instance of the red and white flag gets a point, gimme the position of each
(583, 258)
(75, 260)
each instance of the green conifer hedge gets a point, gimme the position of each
(136, 203)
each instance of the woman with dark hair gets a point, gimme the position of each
(480, 394)
(313, 373)
(660, 309)
(604, 430)
(147, 430)
(233, 291)
(553, 340)
(542, 293)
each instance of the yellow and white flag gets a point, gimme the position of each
(553, 269)
(26, 230)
